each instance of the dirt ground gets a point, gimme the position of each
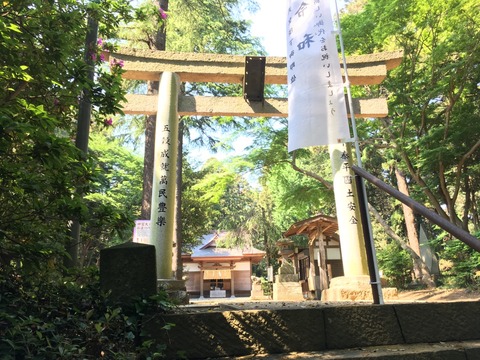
(240, 303)
(439, 295)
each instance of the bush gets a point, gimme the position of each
(41, 318)
(460, 264)
(396, 265)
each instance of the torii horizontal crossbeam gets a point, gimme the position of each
(237, 106)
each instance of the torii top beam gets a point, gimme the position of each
(220, 68)
(146, 65)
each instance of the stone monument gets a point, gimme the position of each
(287, 285)
(257, 292)
(128, 271)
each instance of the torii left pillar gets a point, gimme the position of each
(164, 182)
(164, 174)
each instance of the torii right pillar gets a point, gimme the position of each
(355, 284)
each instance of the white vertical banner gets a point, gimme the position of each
(317, 112)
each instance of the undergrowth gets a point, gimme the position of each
(42, 317)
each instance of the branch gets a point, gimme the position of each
(317, 177)
(418, 179)
(444, 189)
(18, 90)
(460, 166)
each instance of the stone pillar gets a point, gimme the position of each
(313, 278)
(164, 176)
(286, 285)
(346, 200)
(322, 260)
(355, 284)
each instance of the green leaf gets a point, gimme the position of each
(99, 327)
(14, 27)
(89, 314)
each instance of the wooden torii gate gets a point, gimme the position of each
(147, 65)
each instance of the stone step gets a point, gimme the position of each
(458, 350)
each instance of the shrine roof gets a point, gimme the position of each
(328, 224)
(209, 249)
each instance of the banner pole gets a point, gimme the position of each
(372, 259)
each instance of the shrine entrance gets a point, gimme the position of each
(253, 73)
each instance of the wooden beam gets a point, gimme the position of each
(193, 67)
(237, 106)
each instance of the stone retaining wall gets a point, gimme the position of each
(238, 333)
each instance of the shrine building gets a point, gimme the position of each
(213, 271)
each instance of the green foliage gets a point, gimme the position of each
(293, 194)
(267, 287)
(44, 318)
(431, 133)
(395, 264)
(210, 27)
(227, 193)
(431, 130)
(460, 265)
(114, 197)
(148, 20)
(44, 73)
(195, 212)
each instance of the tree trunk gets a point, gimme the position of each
(148, 159)
(81, 140)
(427, 278)
(409, 216)
(177, 253)
(421, 272)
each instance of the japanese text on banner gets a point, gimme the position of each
(316, 101)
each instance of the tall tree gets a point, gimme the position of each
(42, 77)
(432, 131)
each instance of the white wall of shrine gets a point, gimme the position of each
(241, 275)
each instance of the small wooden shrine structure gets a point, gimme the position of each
(322, 260)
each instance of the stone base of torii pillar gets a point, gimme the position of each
(355, 288)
